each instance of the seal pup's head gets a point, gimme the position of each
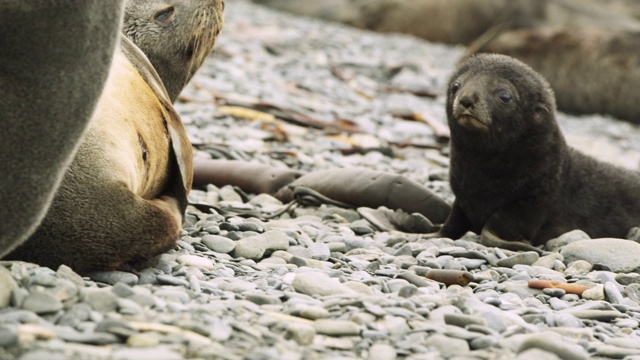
(176, 35)
(494, 100)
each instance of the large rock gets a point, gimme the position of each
(617, 254)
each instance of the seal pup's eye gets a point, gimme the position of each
(455, 87)
(164, 14)
(504, 96)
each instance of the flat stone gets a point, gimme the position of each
(551, 342)
(303, 334)
(447, 346)
(196, 261)
(101, 300)
(525, 258)
(627, 279)
(462, 320)
(319, 284)
(578, 267)
(313, 312)
(319, 251)
(94, 338)
(113, 277)
(147, 354)
(253, 247)
(617, 254)
(554, 245)
(218, 243)
(594, 293)
(336, 327)
(42, 303)
(537, 354)
(380, 351)
(65, 272)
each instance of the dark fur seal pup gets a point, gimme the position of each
(592, 70)
(54, 62)
(513, 175)
(176, 36)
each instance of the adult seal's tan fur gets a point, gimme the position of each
(513, 175)
(176, 36)
(54, 63)
(122, 200)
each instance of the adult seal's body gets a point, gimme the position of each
(122, 200)
(513, 175)
(591, 69)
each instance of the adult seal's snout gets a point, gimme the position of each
(176, 36)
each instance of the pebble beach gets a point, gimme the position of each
(254, 278)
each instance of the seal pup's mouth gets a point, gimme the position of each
(472, 123)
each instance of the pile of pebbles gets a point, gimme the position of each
(252, 278)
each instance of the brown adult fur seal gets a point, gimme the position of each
(122, 199)
(461, 21)
(592, 70)
(176, 36)
(513, 175)
(54, 63)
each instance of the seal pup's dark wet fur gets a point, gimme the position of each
(513, 174)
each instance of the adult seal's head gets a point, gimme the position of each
(176, 35)
(494, 100)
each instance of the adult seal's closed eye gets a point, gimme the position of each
(513, 175)
(175, 35)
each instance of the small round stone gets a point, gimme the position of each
(42, 303)
(219, 244)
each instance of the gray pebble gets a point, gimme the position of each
(8, 335)
(319, 251)
(612, 293)
(565, 239)
(147, 354)
(93, 338)
(303, 334)
(250, 226)
(112, 277)
(65, 272)
(219, 244)
(42, 303)
(254, 247)
(336, 327)
(551, 342)
(262, 299)
(317, 283)
(101, 300)
(525, 258)
(43, 355)
(463, 320)
(447, 346)
(380, 351)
